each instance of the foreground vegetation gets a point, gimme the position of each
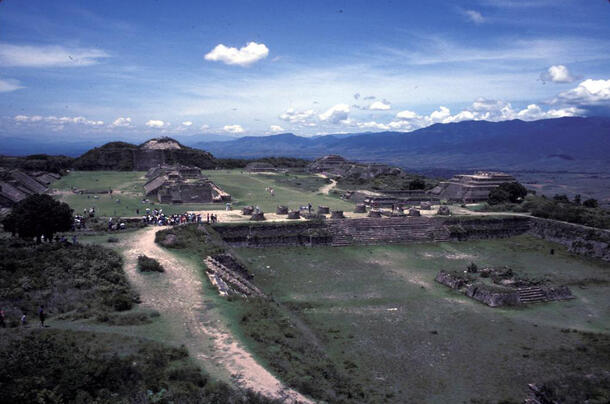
(84, 280)
(57, 366)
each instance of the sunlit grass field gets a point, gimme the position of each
(245, 189)
(379, 307)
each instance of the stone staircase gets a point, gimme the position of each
(531, 294)
(227, 280)
(387, 230)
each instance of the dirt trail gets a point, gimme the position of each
(180, 300)
(325, 189)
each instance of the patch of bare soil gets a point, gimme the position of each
(180, 299)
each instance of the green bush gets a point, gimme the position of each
(147, 264)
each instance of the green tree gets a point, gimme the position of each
(590, 203)
(39, 215)
(507, 192)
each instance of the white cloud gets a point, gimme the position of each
(244, 56)
(233, 129)
(58, 123)
(157, 124)
(406, 115)
(474, 16)
(372, 125)
(293, 116)
(276, 128)
(558, 74)
(440, 115)
(48, 56)
(8, 85)
(588, 92)
(205, 127)
(380, 106)
(122, 122)
(335, 114)
(187, 123)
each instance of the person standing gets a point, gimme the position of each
(41, 315)
(2, 322)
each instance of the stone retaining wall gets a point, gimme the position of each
(581, 240)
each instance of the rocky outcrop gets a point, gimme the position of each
(581, 240)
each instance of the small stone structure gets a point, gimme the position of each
(425, 206)
(258, 216)
(182, 184)
(323, 210)
(247, 210)
(443, 210)
(501, 287)
(374, 213)
(282, 210)
(230, 277)
(260, 167)
(414, 212)
(294, 214)
(360, 208)
(337, 214)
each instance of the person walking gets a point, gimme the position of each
(24, 320)
(41, 315)
(2, 322)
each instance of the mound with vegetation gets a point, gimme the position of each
(128, 157)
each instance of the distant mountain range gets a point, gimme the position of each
(563, 144)
(574, 144)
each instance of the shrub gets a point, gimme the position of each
(147, 264)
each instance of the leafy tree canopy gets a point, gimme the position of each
(39, 215)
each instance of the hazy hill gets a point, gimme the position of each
(127, 156)
(551, 144)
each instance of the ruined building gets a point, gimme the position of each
(470, 188)
(260, 167)
(16, 185)
(182, 184)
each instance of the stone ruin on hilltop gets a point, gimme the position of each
(182, 184)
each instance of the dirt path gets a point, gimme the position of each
(325, 189)
(178, 295)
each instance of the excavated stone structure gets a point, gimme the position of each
(260, 167)
(16, 185)
(182, 184)
(470, 188)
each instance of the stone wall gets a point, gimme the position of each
(270, 234)
(581, 240)
(480, 228)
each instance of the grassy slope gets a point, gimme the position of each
(379, 308)
(245, 189)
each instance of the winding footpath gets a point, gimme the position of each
(178, 295)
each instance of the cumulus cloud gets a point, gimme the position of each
(8, 85)
(335, 114)
(474, 16)
(244, 56)
(276, 128)
(557, 74)
(187, 123)
(380, 106)
(122, 122)
(233, 129)
(157, 124)
(48, 56)
(372, 125)
(293, 116)
(587, 93)
(406, 115)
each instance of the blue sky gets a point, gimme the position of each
(134, 69)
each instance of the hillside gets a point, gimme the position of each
(126, 157)
(578, 144)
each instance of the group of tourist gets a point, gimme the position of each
(23, 319)
(156, 217)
